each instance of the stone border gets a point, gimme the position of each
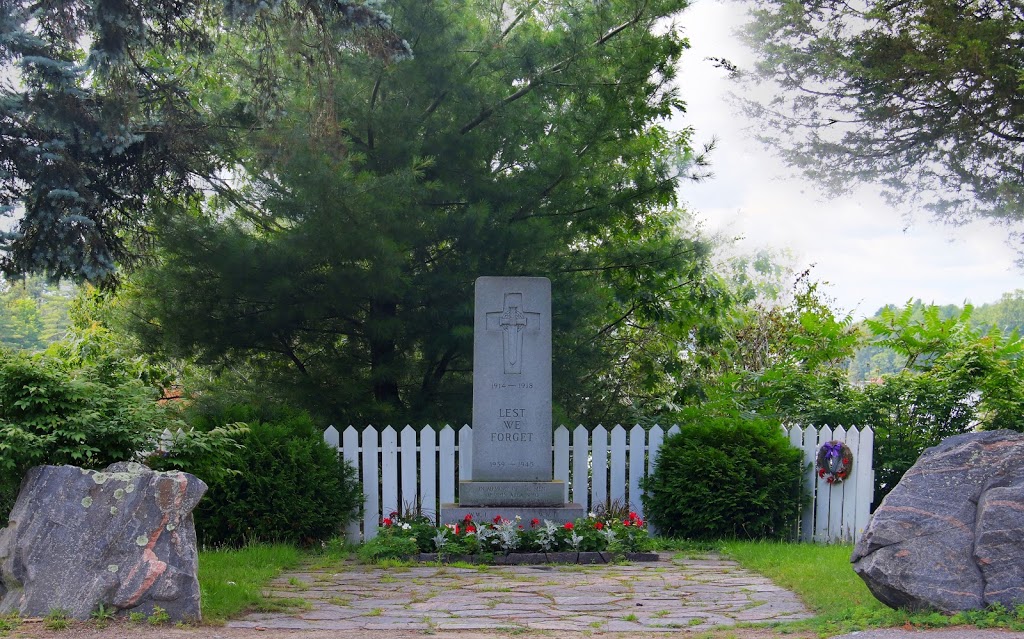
(531, 558)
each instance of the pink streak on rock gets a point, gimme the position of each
(153, 566)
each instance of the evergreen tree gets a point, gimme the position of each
(522, 139)
(110, 112)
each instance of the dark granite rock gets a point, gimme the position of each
(950, 535)
(123, 538)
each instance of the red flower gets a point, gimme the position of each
(497, 519)
(568, 525)
(394, 513)
(470, 528)
(534, 522)
(520, 526)
(599, 525)
(387, 521)
(467, 518)
(456, 529)
(625, 522)
(821, 472)
(633, 516)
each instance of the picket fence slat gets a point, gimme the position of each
(580, 466)
(836, 494)
(599, 468)
(371, 484)
(446, 465)
(617, 484)
(849, 516)
(637, 466)
(428, 470)
(408, 500)
(399, 473)
(562, 459)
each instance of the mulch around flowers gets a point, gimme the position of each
(673, 593)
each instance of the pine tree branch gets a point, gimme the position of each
(558, 67)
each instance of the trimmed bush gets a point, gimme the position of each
(725, 477)
(289, 487)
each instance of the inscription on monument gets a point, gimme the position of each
(512, 379)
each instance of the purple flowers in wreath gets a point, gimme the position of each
(834, 461)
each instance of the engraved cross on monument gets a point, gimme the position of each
(513, 322)
(512, 453)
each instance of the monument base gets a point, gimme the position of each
(511, 493)
(456, 513)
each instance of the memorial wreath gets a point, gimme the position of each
(834, 461)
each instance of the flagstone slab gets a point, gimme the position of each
(685, 593)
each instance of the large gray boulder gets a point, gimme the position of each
(950, 535)
(123, 538)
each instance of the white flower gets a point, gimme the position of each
(406, 526)
(591, 515)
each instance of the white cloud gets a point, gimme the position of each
(868, 251)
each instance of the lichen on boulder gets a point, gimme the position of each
(122, 538)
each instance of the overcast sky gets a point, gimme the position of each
(863, 247)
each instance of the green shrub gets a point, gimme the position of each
(290, 487)
(89, 414)
(725, 477)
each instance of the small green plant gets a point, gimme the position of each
(8, 623)
(297, 584)
(375, 612)
(159, 617)
(103, 615)
(630, 617)
(136, 616)
(57, 619)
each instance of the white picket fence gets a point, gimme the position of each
(411, 468)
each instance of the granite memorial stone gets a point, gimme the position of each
(512, 460)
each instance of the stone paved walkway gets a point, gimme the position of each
(671, 594)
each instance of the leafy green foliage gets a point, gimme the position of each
(32, 313)
(289, 487)
(90, 413)
(951, 376)
(923, 96)
(725, 477)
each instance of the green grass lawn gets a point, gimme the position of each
(231, 581)
(823, 577)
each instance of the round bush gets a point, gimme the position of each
(290, 486)
(725, 478)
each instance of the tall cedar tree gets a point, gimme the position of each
(523, 138)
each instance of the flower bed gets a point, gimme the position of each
(590, 539)
(530, 558)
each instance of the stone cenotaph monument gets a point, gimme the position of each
(512, 455)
